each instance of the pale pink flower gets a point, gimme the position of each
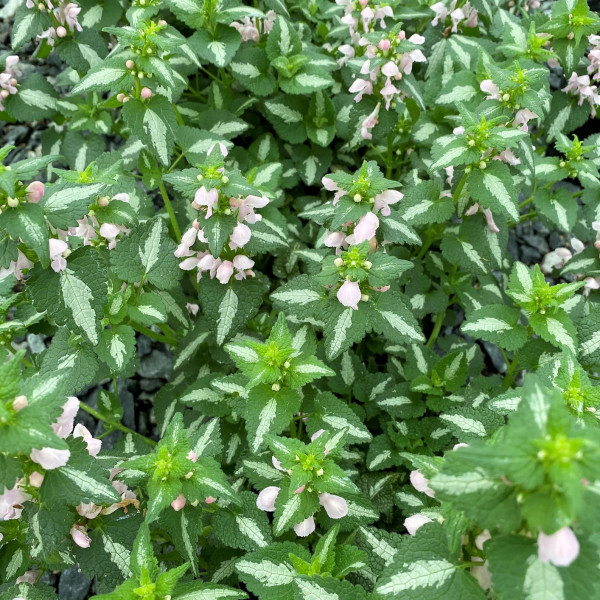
(370, 121)
(64, 424)
(366, 228)
(35, 191)
(192, 308)
(67, 14)
(243, 266)
(481, 573)
(384, 199)
(178, 503)
(334, 239)
(57, 247)
(93, 445)
(89, 510)
(305, 528)
(560, 548)
(80, 536)
(335, 506)
(489, 219)
(266, 498)
(420, 483)
(240, 236)
(490, 88)
(332, 186)
(460, 445)
(381, 12)
(361, 87)
(348, 52)
(556, 259)
(300, 489)
(317, 434)
(349, 294)
(210, 500)
(456, 16)
(11, 503)
(222, 149)
(508, 157)
(415, 522)
(441, 12)
(16, 267)
(110, 232)
(247, 206)
(277, 464)
(224, 272)
(247, 29)
(50, 458)
(191, 455)
(208, 198)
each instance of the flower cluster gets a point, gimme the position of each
(8, 78)
(465, 15)
(250, 29)
(581, 87)
(65, 15)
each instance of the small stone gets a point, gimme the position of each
(36, 343)
(144, 345)
(73, 585)
(156, 365)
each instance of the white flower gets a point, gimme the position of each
(414, 522)
(349, 294)
(305, 528)
(266, 498)
(335, 506)
(421, 484)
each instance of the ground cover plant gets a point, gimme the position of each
(314, 212)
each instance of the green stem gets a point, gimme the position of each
(169, 207)
(153, 335)
(459, 188)
(292, 429)
(511, 373)
(113, 424)
(425, 246)
(437, 326)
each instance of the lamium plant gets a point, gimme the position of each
(301, 300)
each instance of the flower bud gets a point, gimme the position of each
(357, 197)
(19, 402)
(162, 23)
(225, 179)
(140, 75)
(120, 97)
(482, 164)
(275, 387)
(367, 264)
(130, 64)
(338, 262)
(384, 45)
(364, 297)
(103, 202)
(126, 99)
(146, 93)
(4, 94)
(505, 97)
(12, 202)
(61, 32)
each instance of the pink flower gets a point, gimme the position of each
(93, 445)
(415, 522)
(370, 121)
(192, 308)
(384, 199)
(561, 548)
(222, 149)
(243, 266)
(317, 434)
(64, 424)
(366, 228)
(508, 157)
(80, 537)
(11, 503)
(67, 14)
(362, 86)
(36, 479)
(247, 29)
(305, 528)
(57, 247)
(240, 236)
(35, 191)
(246, 207)
(277, 464)
(208, 198)
(110, 231)
(334, 239)
(210, 500)
(420, 483)
(381, 12)
(178, 503)
(16, 267)
(266, 498)
(192, 456)
(349, 294)
(225, 271)
(88, 510)
(50, 458)
(335, 506)
(441, 12)
(489, 219)
(490, 88)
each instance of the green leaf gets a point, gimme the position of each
(251, 68)
(497, 324)
(154, 123)
(76, 295)
(218, 47)
(64, 203)
(117, 347)
(555, 327)
(147, 254)
(36, 100)
(493, 188)
(27, 222)
(109, 75)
